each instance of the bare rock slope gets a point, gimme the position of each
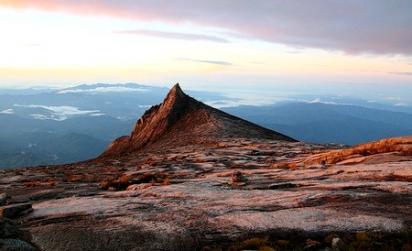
(193, 178)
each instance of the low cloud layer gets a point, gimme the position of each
(59, 113)
(109, 89)
(352, 26)
(320, 101)
(7, 111)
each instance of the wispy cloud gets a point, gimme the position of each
(401, 104)
(394, 98)
(407, 73)
(174, 35)
(353, 26)
(216, 62)
(294, 51)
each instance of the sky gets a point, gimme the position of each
(208, 44)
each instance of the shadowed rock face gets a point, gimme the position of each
(181, 120)
(190, 177)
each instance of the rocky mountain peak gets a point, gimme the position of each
(180, 120)
(175, 94)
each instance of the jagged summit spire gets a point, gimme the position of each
(181, 120)
(175, 94)
(176, 88)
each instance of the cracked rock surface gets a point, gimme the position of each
(200, 204)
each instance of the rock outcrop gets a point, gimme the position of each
(388, 150)
(401, 145)
(14, 210)
(12, 237)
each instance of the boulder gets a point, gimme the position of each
(238, 176)
(8, 229)
(138, 187)
(3, 199)
(14, 210)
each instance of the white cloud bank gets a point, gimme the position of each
(60, 113)
(109, 89)
(7, 111)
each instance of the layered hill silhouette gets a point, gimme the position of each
(181, 120)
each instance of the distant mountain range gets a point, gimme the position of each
(328, 123)
(52, 126)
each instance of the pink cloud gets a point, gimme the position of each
(370, 26)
